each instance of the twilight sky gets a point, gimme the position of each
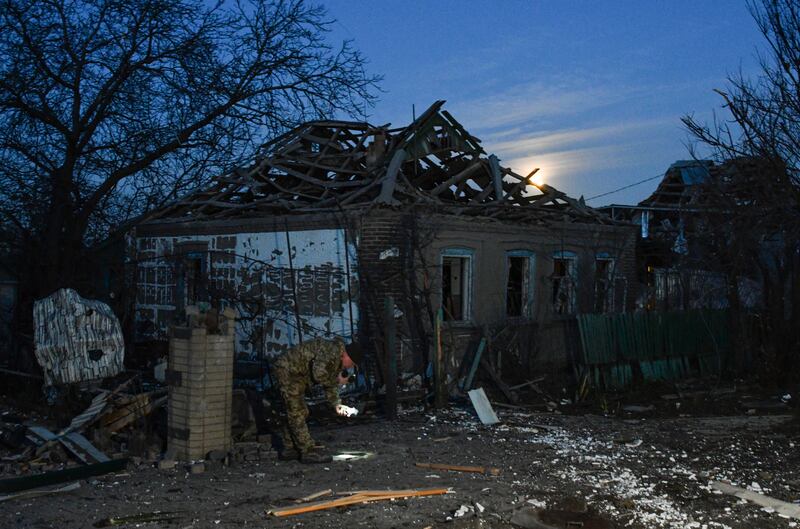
(590, 92)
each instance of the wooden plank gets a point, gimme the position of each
(135, 414)
(474, 368)
(457, 178)
(314, 496)
(460, 468)
(356, 499)
(502, 386)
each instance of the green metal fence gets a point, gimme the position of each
(618, 348)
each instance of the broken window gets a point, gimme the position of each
(603, 283)
(563, 282)
(456, 285)
(194, 279)
(519, 284)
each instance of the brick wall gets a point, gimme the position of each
(382, 233)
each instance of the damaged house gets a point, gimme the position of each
(334, 218)
(673, 254)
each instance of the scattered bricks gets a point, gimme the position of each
(247, 447)
(166, 464)
(252, 451)
(197, 468)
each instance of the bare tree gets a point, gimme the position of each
(753, 201)
(110, 108)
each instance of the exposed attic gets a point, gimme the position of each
(340, 165)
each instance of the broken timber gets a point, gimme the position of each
(312, 497)
(490, 471)
(331, 166)
(355, 499)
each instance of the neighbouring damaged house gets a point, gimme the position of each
(335, 217)
(673, 260)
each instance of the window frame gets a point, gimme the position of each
(467, 303)
(572, 273)
(199, 287)
(609, 306)
(529, 291)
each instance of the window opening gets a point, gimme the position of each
(563, 280)
(194, 281)
(603, 284)
(519, 285)
(456, 272)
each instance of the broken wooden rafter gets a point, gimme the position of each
(292, 176)
(457, 178)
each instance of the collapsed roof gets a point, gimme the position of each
(340, 165)
(682, 184)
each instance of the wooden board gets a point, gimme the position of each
(355, 499)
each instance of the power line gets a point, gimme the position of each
(661, 175)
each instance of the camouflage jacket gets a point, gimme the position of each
(317, 360)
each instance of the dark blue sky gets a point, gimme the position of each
(590, 92)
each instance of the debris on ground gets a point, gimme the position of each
(789, 510)
(483, 407)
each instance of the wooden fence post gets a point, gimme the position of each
(439, 368)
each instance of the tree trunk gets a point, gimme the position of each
(61, 244)
(740, 339)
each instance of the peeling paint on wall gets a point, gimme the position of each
(251, 272)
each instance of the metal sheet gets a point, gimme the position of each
(76, 339)
(483, 407)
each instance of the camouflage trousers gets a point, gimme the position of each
(293, 429)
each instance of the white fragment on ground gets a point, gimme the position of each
(611, 474)
(462, 511)
(539, 504)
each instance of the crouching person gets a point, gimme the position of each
(320, 362)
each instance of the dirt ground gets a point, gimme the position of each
(642, 469)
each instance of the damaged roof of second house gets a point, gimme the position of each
(340, 165)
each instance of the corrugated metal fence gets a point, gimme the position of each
(618, 348)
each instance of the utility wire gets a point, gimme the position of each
(661, 175)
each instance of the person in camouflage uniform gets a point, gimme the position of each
(316, 361)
